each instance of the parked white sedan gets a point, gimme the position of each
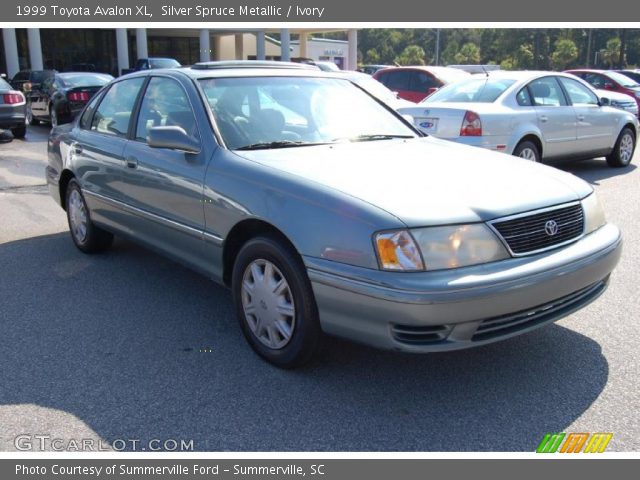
(533, 115)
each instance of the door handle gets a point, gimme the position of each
(580, 118)
(76, 148)
(543, 118)
(132, 162)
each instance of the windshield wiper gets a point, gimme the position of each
(371, 137)
(278, 144)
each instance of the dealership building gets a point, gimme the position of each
(116, 49)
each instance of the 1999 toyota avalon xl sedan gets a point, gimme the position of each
(327, 212)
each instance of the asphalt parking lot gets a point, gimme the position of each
(128, 345)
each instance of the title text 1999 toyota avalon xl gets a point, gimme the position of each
(325, 211)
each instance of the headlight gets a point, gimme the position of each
(398, 251)
(593, 213)
(458, 246)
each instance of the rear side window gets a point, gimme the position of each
(397, 80)
(165, 103)
(523, 98)
(546, 92)
(421, 82)
(113, 115)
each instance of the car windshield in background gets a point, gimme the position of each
(477, 90)
(75, 80)
(623, 80)
(163, 63)
(4, 85)
(278, 112)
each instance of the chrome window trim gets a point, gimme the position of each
(491, 223)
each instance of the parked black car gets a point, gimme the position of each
(61, 97)
(27, 80)
(12, 110)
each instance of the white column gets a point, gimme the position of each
(261, 46)
(285, 40)
(141, 43)
(205, 45)
(217, 47)
(239, 38)
(303, 44)
(352, 60)
(35, 49)
(11, 51)
(122, 49)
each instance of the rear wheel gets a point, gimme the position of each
(623, 149)
(274, 302)
(528, 151)
(87, 237)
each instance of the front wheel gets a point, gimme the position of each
(623, 150)
(274, 302)
(88, 237)
(528, 151)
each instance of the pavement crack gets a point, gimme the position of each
(40, 188)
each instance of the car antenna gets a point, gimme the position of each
(485, 71)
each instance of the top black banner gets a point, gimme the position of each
(253, 11)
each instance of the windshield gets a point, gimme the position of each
(477, 90)
(278, 112)
(623, 79)
(84, 80)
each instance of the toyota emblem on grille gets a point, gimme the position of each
(551, 227)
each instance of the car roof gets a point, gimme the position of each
(239, 68)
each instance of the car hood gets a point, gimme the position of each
(428, 181)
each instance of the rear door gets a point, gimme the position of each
(98, 152)
(422, 84)
(556, 118)
(594, 125)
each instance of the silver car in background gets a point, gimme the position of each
(533, 115)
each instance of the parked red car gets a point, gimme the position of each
(416, 83)
(610, 80)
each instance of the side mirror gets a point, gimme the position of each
(3, 75)
(174, 138)
(397, 94)
(605, 102)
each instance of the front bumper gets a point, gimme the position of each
(460, 308)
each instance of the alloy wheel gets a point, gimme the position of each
(77, 216)
(626, 148)
(528, 154)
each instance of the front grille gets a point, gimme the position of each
(530, 233)
(507, 324)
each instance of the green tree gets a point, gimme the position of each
(468, 54)
(372, 56)
(565, 54)
(411, 55)
(611, 53)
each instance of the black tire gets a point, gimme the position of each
(31, 120)
(306, 333)
(527, 150)
(95, 239)
(19, 132)
(620, 156)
